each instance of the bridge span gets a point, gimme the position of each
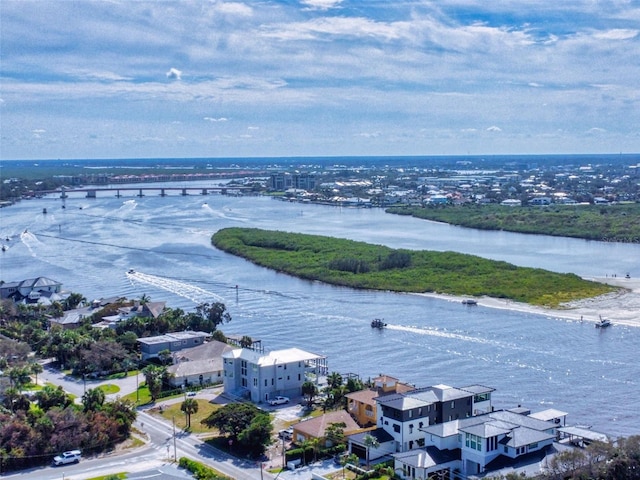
(92, 192)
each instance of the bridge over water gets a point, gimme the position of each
(92, 192)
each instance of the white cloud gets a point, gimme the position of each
(616, 34)
(174, 74)
(321, 4)
(234, 8)
(493, 128)
(214, 120)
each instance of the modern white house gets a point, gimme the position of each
(404, 416)
(260, 376)
(482, 443)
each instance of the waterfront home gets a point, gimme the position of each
(481, 444)
(260, 376)
(144, 310)
(201, 365)
(30, 289)
(150, 347)
(403, 416)
(316, 427)
(362, 404)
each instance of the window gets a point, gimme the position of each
(255, 382)
(453, 404)
(396, 428)
(265, 382)
(410, 413)
(473, 441)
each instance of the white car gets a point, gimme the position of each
(72, 456)
(278, 401)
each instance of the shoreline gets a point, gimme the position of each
(621, 308)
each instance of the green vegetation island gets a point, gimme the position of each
(365, 266)
(607, 223)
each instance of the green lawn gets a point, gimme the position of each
(171, 412)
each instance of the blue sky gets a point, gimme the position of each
(165, 78)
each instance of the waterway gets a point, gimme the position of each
(531, 360)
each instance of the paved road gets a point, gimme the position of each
(162, 447)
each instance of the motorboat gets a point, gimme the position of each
(603, 323)
(377, 323)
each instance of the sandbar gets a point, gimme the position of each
(621, 308)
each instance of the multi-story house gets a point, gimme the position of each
(362, 403)
(404, 416)
(479, 444)
(262, 377)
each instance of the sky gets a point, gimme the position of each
(178, 79)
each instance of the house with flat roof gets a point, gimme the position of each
(260, 377)
(174, 342)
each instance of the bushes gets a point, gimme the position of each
(361, 265)
(201, 471)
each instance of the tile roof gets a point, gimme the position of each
(316, 427)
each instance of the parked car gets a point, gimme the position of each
(286, 434)
(191, 394)
(72, 456)
(279, 400)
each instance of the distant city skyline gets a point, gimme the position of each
(144, 79)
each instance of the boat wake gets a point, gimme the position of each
(439, 333)
(196, 294)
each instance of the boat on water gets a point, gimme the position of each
(469, 301)
(44, 210)
(603, 323)
(377, 323)
(131, 271)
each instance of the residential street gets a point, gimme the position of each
(160, 449)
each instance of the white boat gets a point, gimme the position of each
(469, 301)
(603, 323)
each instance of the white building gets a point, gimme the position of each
(261, 377)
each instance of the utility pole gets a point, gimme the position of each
(175, 455)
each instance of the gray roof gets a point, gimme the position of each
(381, 435)
(476, 389)
(197, 367)
(173, 337)
(519, 429)
(206, 351)
(427, 457)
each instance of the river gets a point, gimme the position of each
(531, 360)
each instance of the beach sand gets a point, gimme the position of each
(622, 308)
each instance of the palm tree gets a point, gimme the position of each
(370, 442)
(309, 391)
(36, 368)
(93, 399)
(189, 407)
(334, 380)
